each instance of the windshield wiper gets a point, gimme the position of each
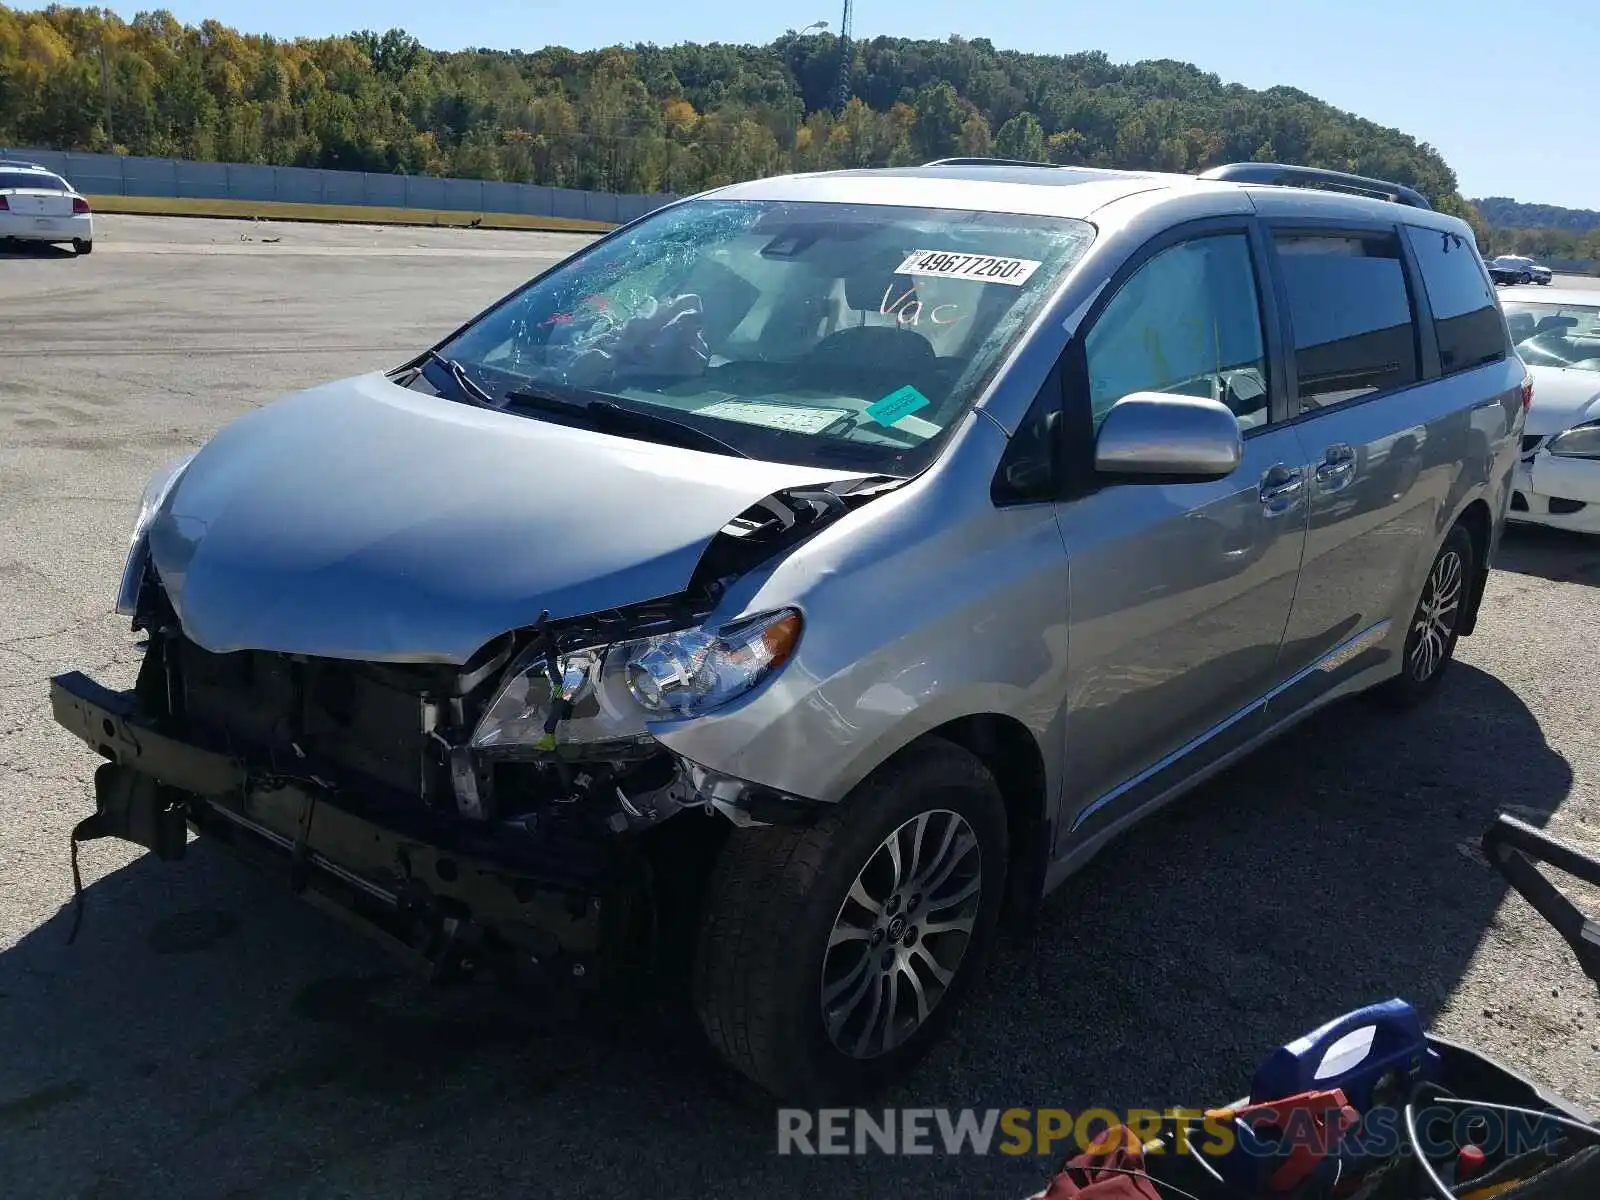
(462, 379)
(618, 416)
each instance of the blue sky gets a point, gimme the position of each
(1504, 93)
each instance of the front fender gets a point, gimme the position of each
(927, 605)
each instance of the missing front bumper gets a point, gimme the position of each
(435, 904)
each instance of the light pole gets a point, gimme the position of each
(792, 133)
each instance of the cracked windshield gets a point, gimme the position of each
(1556, 335)
(823, 334)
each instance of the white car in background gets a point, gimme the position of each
(39, 206)
(1557, 335)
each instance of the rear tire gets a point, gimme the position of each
(820, 974)
(83, 247)
(1435, 623)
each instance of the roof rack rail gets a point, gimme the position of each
(1282, 175)
(987, 162)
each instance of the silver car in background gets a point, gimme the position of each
(805, 578)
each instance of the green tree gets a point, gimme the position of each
(393, 54)
(1021, 137)
(976, 141)
(939, 120)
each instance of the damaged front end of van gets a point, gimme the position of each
(431, 708)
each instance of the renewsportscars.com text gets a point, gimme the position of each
(1058, 1132)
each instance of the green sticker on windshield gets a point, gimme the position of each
(897, 405)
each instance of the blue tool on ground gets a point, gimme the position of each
(1375, 1055)
(1372, 1057)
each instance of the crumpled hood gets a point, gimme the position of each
(363, 520)
(1562, 399)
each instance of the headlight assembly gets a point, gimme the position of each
(155, 494)
(1580, 442)
(612, 692)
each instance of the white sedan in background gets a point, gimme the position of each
(1557, 334)
(38, 206)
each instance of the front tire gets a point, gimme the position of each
(1436, 620)
(832, 957)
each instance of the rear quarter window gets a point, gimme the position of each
(1350, 311)
(1466, 318)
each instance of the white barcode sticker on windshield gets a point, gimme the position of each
(787, 417)
(981, 268)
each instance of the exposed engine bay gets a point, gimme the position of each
(410, 729)
(469, 798)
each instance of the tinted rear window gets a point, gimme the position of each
(31, 179)
(1353, 330)
(1465, 315)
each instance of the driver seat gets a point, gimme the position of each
(876, 343)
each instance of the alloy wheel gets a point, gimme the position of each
(1436, 617)
(901, 933)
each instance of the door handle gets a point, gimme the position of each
(1280, 487)
(1337, 467)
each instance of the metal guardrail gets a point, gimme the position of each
(129, 175)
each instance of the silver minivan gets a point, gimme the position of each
(799, 582)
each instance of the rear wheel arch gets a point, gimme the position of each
(1433, 626)
(1479, 523)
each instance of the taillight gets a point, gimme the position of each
(79, 205)
(4, 207)
(1527, 393)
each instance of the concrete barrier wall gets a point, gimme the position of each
(128, 175)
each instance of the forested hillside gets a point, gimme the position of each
(1544, 231)
(1501, 212)
(678, 118)
(1552, 245)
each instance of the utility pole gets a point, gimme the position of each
(846, 54)
(105, 91)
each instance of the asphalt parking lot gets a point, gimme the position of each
(209, 1036)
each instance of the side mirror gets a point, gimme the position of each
(1176, 437)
